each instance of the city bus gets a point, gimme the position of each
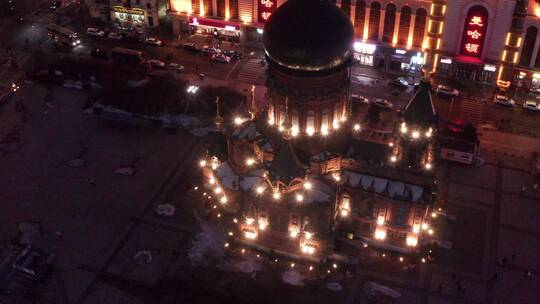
(127, 55)
(63, 36)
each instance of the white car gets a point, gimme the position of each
(531, 106)
(446, 91)
(115, 36)
(156, 63)
(210, 50)
(92, 31)
(175, 66)
(504, 101)
(359, 98)
(221, 58)
(383, 103)
(153, 41)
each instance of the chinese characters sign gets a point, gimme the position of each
(474, 32)
(266, 8)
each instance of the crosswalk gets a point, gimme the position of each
(472, 111)
(251, 71)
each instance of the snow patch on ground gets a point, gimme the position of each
(207, 246)
(293, 278)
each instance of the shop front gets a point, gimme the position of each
(225, 30)
(406, 61)
(129, 17)
(364, 53)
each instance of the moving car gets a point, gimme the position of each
(233, 54)
(175, 66)
(383, 103)
(210, 50)
(358, 98)
(55, 4)
(446, 91)
(33, 263)
(221, 58)
(99, 54)
(190, 46)
(153, 41)
(115, 36)
(156, 63)
(531, 106)
(92, 31)
(504, 101)
(399, 82)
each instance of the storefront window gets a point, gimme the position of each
(363, 53)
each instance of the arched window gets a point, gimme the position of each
(220, 8)
(528, 46)
(325, 122)
(310, 123)
(346, 7)
(359, 18)
(233, 9)
(374, 18)
(295, 123)
(281, 116)
(419, 27)
(195, 7)
(337, 116)
(404, 25)
(208, 7)
(389, 21)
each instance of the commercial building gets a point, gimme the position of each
(129, 13)
(467, 39)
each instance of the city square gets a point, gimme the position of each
(271, 152)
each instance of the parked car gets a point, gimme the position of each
(221, 58)
(399, 82)
(446, 91)
(153, 41)
(531, 106)
(233, 54)
(190, 46)
(504, 101)
(99, 54)
(156, 63)
(358, 98)
(92, 31)
(383, 103)
(115, 36)
(175, 66)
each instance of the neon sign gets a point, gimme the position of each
(474, 32)
(266, 8)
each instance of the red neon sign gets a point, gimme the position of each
(474, 32)
(266, 8)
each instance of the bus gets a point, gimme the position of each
(458, 143)
(127, 55)
(62, 35)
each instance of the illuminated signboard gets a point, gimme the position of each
(266, 8)
(474, 33)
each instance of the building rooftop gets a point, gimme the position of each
(308, 35)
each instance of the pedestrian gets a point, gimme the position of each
(441, 286)
(504, 261)
(535, 186)
(91, 181)
(453, 276)
(527, 273)
(513, 256)
(463, 290)
(495, 276)
(523, 188)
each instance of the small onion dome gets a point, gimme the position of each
(308, 35)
